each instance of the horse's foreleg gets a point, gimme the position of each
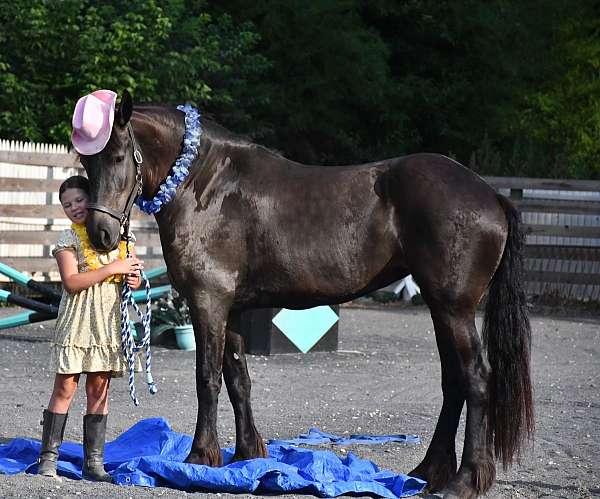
(248, 442)
(209, 331)
(467, 371)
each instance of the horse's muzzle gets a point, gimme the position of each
(104, 234)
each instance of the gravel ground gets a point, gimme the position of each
(384, 379)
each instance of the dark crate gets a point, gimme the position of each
(262, 337)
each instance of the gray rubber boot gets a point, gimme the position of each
(94, 435)
(52, 436)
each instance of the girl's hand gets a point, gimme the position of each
(134, 280)
(126, 266)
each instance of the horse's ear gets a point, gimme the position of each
(125, 109)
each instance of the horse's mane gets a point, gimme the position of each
(170, 117)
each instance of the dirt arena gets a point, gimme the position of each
(384, 379)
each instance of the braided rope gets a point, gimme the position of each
(128, 345)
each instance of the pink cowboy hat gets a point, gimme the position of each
(93, 121)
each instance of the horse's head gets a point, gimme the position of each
(113, 180)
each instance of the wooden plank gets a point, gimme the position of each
(548, 251)
(558, 206)
(543, 183)
(31, 211)
(47, 237)
(40, 159)
(29, 184)
(41, 264)
(28, 237)
(562, 230)
(55, 211)
(562, 277)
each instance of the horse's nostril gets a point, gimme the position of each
(105, 238)
(102, 239)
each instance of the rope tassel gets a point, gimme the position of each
(128, 345)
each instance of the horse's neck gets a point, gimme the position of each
(160, 146)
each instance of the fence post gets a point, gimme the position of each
(516, 194)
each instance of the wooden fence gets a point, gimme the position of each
(562, 220)
(562, 223)
(31, 215)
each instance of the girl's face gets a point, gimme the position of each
(74, 202)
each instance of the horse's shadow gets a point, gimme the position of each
(543, 485)
(17, 337)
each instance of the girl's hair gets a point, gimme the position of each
(74, 182)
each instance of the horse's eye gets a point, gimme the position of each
(119, 159)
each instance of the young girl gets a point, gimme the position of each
(87, 333)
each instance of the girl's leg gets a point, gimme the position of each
(94, 426)
(65, 386)
(96, 389)
(55, 419)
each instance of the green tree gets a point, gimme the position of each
(461, 68)
(561, 116)
(162, 51)
(327, 82)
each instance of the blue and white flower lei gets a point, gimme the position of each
(181, 168)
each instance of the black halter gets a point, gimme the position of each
(136, 190)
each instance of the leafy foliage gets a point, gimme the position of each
(171, 309)
(51, 55)
(509, 87)
(562, 115)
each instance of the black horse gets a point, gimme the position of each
(250, 228)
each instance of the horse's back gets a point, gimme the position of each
(428, 175)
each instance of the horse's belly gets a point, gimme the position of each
(332, 273)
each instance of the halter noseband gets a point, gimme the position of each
(136, 190)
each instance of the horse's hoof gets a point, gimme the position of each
(208, 458)
(449, 494)
(460, 488)
(255, 451)
(436, 479)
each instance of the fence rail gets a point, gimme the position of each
(562, 223)
(561, 219)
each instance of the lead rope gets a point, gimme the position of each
(128, 345)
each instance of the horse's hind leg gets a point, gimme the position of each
(248, 442)
(465, 373)
(439, 465)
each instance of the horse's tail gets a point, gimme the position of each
(507, 336)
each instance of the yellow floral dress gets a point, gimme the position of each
(87, 334)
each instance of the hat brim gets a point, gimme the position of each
(87, 147)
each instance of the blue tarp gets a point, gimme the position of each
(319, 437)
(150, 454)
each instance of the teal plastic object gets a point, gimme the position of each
(184, 335)
(23, 318)
(151, 274)
(304, 328)
(13, 274)
(140, 295)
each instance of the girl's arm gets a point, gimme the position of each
(74, 281)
